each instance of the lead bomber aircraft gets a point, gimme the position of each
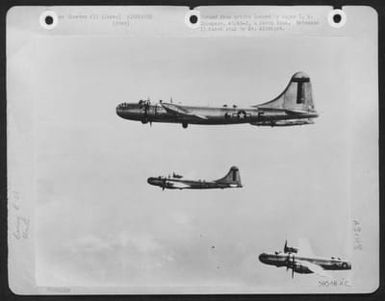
(231, 180)
(294, 106)
(303, 264)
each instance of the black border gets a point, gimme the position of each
(7, 294)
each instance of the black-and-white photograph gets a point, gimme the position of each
(217, 150)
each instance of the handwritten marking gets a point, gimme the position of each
(334, 283)
(22, 228)
(357, 242)
(22, 223)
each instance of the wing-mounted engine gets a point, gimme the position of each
(301, 268)
(144, 105)
(176, 176)
(297, 266)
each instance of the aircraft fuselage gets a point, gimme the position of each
(231, 180)
(212, 115)
(170, 183)
(281, 260)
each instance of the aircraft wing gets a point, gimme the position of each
(178, 110)
(316, 269)
(180, 185)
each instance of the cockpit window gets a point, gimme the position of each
(123, 105)
(144, 102)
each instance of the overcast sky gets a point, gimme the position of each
(98, 221)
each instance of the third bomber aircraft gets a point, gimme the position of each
(303, 264)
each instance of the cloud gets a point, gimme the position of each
(90, 243)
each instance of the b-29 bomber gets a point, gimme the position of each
(293, 107)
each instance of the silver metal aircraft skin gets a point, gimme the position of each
(231, 180)
(294, 106)
(303, 264)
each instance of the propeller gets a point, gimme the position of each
(287, 262)
(290, 264)
(164, 184)
(146, 105)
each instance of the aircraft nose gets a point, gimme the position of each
(119, 110)
(262, 257)
(129, 111)
(151, 181)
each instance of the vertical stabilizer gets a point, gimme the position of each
(296, 97)
(232, 177)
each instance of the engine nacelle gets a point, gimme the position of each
(301, 269)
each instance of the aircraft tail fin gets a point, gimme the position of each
(297, 97)
(232, 177)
